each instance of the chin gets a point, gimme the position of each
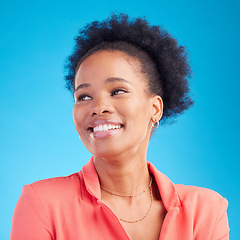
(106, 151)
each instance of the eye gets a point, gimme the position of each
(118, 91)
(83, 97)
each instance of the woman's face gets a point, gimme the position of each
(113, 111)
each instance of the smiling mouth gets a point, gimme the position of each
(105, 127)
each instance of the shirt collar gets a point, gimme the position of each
(91, 179)
(166, 188)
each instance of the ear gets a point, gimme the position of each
(157, 108)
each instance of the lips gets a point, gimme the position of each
(104, 128)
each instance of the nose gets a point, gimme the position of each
(102, 106)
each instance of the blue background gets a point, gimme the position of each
(37, 135)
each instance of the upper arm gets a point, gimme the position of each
(30, 220)
(221, 227)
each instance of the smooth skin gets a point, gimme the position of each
(111, 89)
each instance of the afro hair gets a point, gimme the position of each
(169, 59)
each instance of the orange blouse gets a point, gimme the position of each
(70, 208)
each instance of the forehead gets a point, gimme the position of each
(113, 56)
(109, 63)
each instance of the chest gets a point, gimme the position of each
(150, 227)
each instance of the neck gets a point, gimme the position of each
(126, 177)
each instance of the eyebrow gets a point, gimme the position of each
(116, 79)
(84, 85)
(108, 80)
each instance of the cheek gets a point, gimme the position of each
(74, 114)
(77, 117)
(140, 114)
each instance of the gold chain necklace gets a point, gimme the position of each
(139, 220)
(131, 196)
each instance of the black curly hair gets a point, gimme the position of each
(163, 61)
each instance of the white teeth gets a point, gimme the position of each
(96, 129)
(105, 127)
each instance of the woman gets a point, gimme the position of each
(126, 76)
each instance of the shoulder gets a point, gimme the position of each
(193, 193)
(204, 209)
(43, 203)
(198, 199)
(58, 188)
